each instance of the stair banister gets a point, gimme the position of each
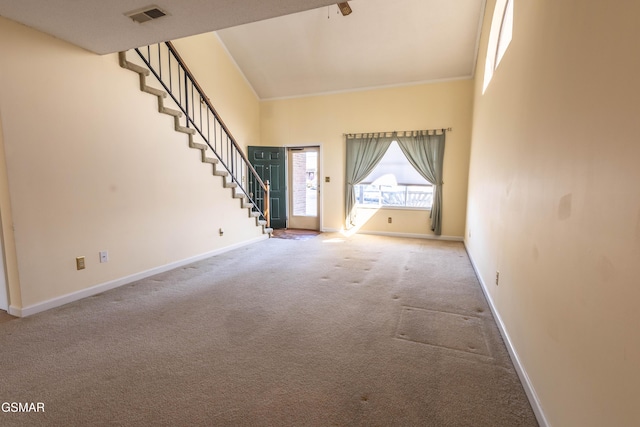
(229, 153)
(215, 113)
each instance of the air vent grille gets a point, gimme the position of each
(149, 13)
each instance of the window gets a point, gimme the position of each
(499, 38)
(394, 183)
(506, 31)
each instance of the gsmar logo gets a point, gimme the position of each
(22, 407)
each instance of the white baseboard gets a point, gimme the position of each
(413, 235)
(390, 234)
(103, 287)
(522, 373)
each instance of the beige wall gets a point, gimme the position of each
(92, 166)
(231, 95)
(10, 267)
(324, 119)
(554, 204)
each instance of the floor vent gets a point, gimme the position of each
(147, 14)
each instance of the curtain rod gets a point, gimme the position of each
(400, 133)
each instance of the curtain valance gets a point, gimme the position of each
(404, 133)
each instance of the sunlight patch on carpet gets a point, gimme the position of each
(452, 331)
(294, 234)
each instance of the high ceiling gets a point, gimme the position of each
(381, 43)
(286, 48)
(102, 27)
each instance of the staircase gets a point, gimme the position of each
(183, 99)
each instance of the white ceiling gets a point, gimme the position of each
(283, 53)
(382, 43)
(102, 27)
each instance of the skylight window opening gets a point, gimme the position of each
(499, 38)
(506, 32)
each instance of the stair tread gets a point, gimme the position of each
(198, 145)
(154, 91)
(170, 111)
(124, 63)
(185, 130)
(144, 72)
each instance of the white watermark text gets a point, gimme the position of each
(22, 406)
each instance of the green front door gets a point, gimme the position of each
(269, 162)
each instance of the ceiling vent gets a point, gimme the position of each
(148, 13)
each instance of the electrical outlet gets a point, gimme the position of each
(104, 256)
(389, 220)
(327, 179)
(497, 278)
(221, 231)
(80, 263)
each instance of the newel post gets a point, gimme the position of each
(267, 198)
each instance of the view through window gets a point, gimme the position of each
(394, 183)
(305, 184)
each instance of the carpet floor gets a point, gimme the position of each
(330, 331)
(294, 234)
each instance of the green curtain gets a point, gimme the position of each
(363, 154)
(426, 154)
